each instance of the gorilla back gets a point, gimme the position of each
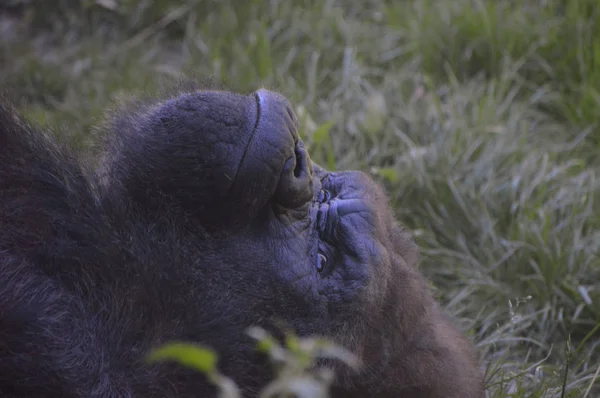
(206, 216)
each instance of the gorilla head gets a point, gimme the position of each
(206, 216)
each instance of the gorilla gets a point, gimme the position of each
(204, 215)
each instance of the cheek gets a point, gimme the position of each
(366, 253)
(358, 235)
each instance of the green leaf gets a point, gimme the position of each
(292, 343)
(189, 355)
(266, 343)
(321, 134)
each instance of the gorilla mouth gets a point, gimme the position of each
(324, 196)
(323, 207)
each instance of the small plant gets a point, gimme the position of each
(295, 363)
(200, 358)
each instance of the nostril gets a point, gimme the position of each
(295, 186)
(276, 148)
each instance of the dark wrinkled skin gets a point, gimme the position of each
(206, 216)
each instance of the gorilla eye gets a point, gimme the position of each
(321, 262)
(324, 196)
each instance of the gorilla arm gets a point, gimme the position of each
(48, 340)
(41, 185)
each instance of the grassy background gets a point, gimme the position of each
(480, 116)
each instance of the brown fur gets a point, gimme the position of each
(99, 267)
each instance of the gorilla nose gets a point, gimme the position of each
(295, 185)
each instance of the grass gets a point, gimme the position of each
(481, 117)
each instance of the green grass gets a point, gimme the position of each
(480, 116)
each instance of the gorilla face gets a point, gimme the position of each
(205, 217)
(236, 165)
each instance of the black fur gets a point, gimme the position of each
(205, 216)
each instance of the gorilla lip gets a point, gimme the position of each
(323, 203)
(322, 213)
